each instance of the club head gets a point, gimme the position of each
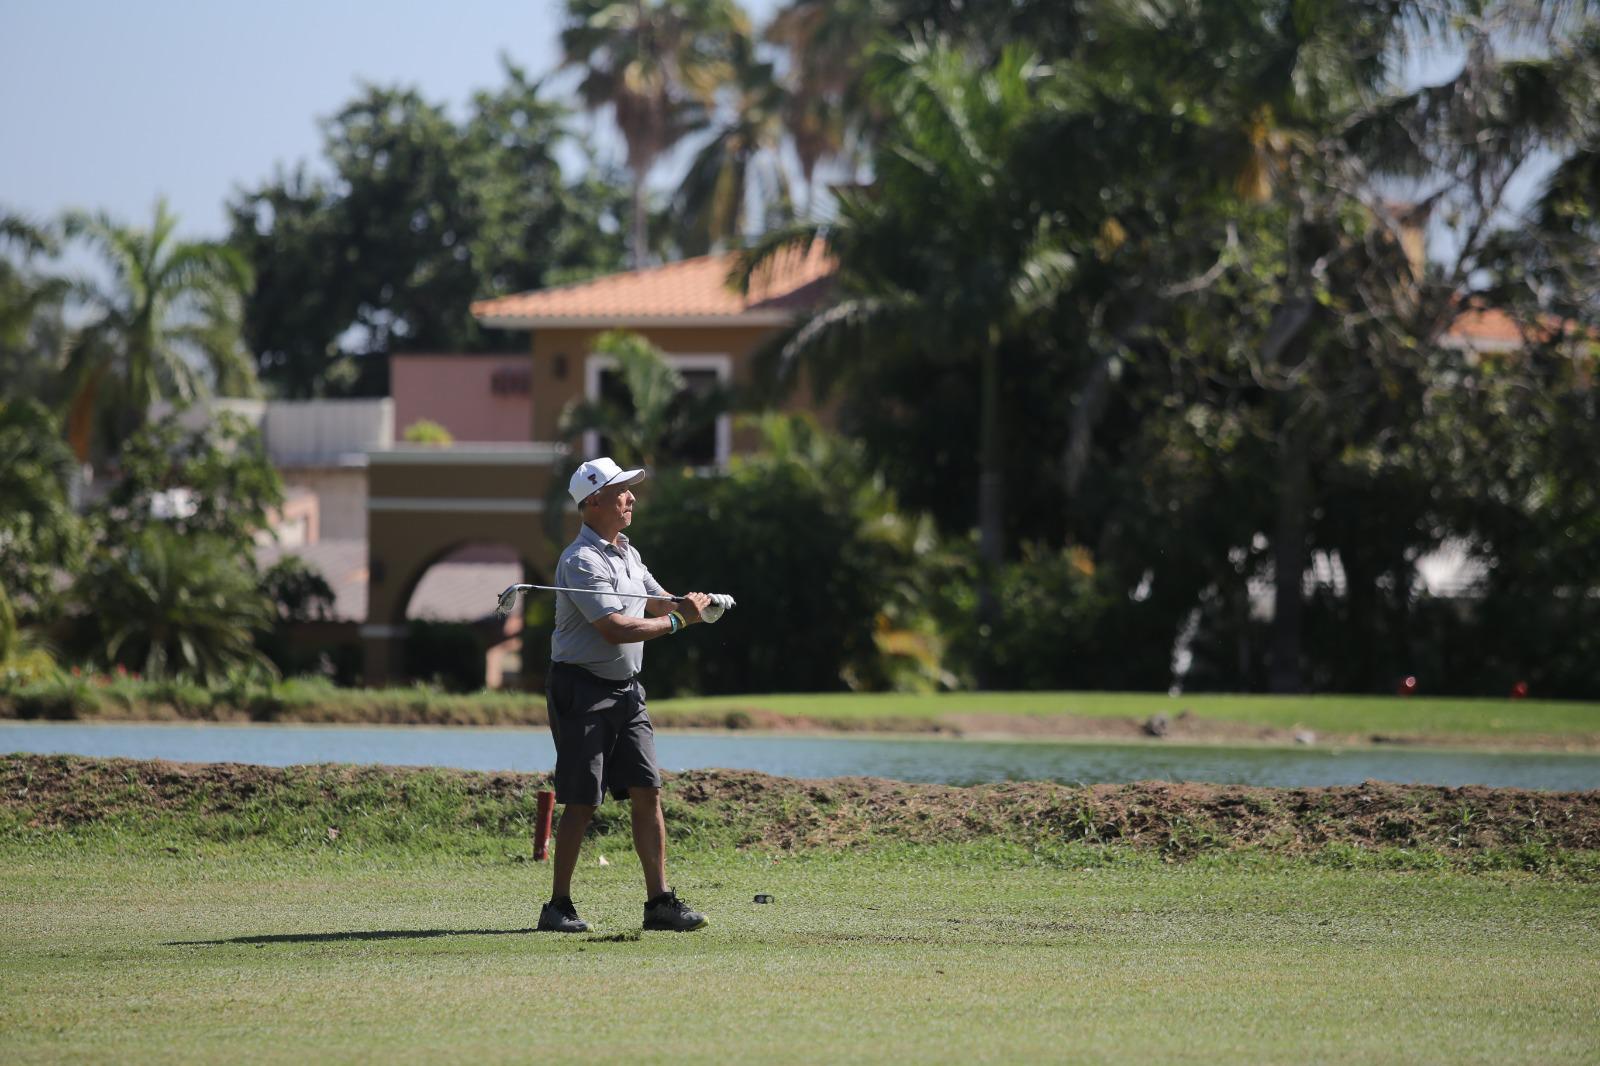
(508, 600)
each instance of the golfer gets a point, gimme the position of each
(603, 735)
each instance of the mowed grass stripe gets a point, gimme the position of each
(1393, 716)
(874, 957)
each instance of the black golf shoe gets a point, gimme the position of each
(668, 912)
(560, 916)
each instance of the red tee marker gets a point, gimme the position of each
(1407, 687)
(1519, 691)
(541, 832)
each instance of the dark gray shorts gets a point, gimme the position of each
(603, 736)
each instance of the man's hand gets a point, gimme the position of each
(692, 606)
(719, 603)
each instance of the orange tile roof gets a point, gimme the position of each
(695, 291)
(1490, 328)
(1486, 325)
(690, 291)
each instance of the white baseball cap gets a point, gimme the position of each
(596, 474)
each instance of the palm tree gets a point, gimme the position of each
(823, 103)
(176, 606)
(1298, 122)
(167, 319)
(938, 257)
(32, 327)
(661, 414)
(739, 161)
(657, 64)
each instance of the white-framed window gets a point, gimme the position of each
(710, 448)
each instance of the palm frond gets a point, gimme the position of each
(1041, 279)
(795, 239)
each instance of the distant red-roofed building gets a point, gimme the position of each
(708, 330)
(433, 512)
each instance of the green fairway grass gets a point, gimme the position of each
(1389, 716)
(131, 952)
(168, 912)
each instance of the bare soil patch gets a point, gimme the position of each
(60, 793)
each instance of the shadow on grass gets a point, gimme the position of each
(323, 938)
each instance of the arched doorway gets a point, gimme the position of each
(453, 638)
(426, 505)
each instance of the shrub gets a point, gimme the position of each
(427, 431)
(447, 654)
(168, 605)
(62, 697)
(806, 536)
(1062, 625)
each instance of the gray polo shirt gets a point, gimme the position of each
(590, 563)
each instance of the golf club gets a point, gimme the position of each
(712, 612)
(508, 598)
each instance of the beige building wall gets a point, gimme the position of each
(561, 368)
(475, 397)
(341, 493)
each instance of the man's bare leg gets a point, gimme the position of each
(575, 818)
(649, 838)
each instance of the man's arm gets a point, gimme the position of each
(624, 629)
(663, 603)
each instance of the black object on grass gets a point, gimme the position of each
(763, 898)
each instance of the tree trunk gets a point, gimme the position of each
(81, 412)
(1086, 412)
(991, 534)
(1289, 559)
(641, 237)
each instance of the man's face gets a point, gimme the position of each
(613, 506)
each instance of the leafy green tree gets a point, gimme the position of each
(303, 299)
(165, 326)
(298, 592)
(1243, 287)
(171, 588)
(852, 591)
(40, 534)
(214, 481)
(174, 605)
(421, 215)
(942, 261)
(535, 225)
(657, 65)
(1350, 331)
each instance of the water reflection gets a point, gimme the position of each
(958, 762)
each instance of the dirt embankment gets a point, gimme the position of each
(60, 793)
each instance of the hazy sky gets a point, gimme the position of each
(111, 104)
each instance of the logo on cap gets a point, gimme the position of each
(594, 479)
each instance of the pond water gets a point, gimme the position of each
(957, 762)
